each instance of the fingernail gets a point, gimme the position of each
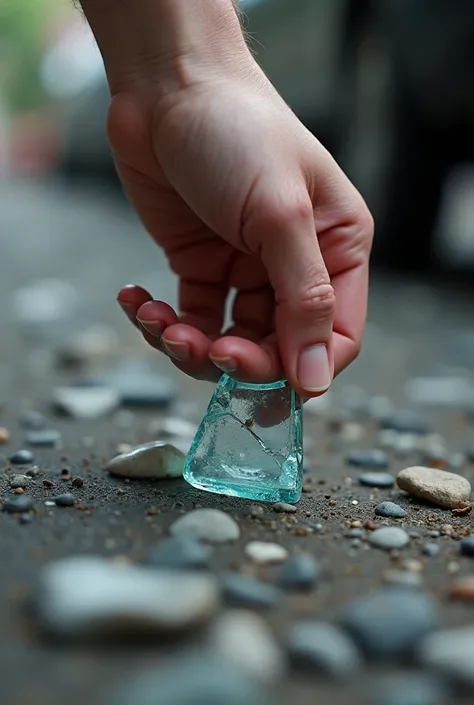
(153, 327)
(314, 373)
(226, 364)
(128, 308)
(177, 350)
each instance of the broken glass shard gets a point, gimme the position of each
(249, 443)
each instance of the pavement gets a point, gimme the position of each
(90, 239)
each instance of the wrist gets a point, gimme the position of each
(165, 45)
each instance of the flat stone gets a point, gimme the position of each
(88, 597)
(467, 546)
(431, 550)
(300, 572)
(388, 538)
(410, 689)
(19, 481)
(138, 384)
(323, 649)
(284, 508)
(210, 525)
(33, 420)
(45, 438)
(374, 459)
(390, 623)
(22, 457)
(445, 489)
(462, 590)
(86, 402)
(208, 680)
(179, 553)
(247, 592)
(157, 460)
(405, 422)
(390, 509)
(449, 653)
(244, 640)
(377, 479)
(265, 553)
(17, 504)
(64, 500)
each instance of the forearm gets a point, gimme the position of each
(166, 42)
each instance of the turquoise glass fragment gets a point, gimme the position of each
(249, 443)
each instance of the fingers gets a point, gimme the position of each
(282, 229)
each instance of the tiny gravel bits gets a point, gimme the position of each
(264, 553)
(445, 489)
(157, 460)
(210, 525)
(388, 538)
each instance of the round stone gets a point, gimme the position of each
(178, 552)
(284, 508)
(22, 457)
(152, 460)
(431, 549)
(377, 479)
(368, 459)
(45, 438)
(64, 500)
(265, 553)
(354, 534)
(247, 592)
(445, 489)
(449, 652)
(301, 572)
(390, 623)
(410, 689)
(388, 538)
(33, 420)
(390, 510)
(467, 546)
(211, 525)
(17, 481)
(17, 504)
(318, 648)
(462, 589)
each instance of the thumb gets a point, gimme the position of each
(305, 300)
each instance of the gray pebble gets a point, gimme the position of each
(283, 507)
(467, 546)
(211, 525)
(405, 422)
(354, 534)
(391, 622)
(322, 649)
(368, 459)
(138, 384)
(300, 572)
(208, 680)
(17, 504)
(33, 420)
(449, 652)
(390, 509)
(46, 438)
(431, 550)
(402, 579)
(377, 479)
(388, 538)
(435, 534)
(64, 500)
(26, 518)
(410, 689)
(19, 481)
(22, 457)
(355, 543)
(178, 552)
(247, 592)
(89, 597)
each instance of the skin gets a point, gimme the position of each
(241, 197)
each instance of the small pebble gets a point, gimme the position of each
(33, 420)
(22, 457)
(462, 589)
(170, 427)
(388, 538)
(356, 524)
(445, 489)
(368, 459)
(354, 534)
(33, 471)
(449, 653)
(435, 534)
(377, 479)
(64, 500)
(405, 422)
(152, 460)
(77, 482)
(264, 553)
(87, 402)
(210, 525)
(453, 567)
(410, 689)
(431, 550)
(244, 640)
(257, 511)
(247, 592)
(283, 507)
(4, 436)
(318, 648)
(390, 509)
(300, 572)
(46, 438)
(412, 565)
(179, 553)
(19, 481)
(369, 525)
(402, 578)
(26, 518)
(390, 623)
(17, 504)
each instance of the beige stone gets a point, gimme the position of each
(446, 489)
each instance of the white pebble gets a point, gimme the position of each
(152, 460)
(211, 525)
(264, 553)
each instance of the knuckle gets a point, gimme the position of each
(288, 210)
(318, 300)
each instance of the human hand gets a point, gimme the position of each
(241, 196)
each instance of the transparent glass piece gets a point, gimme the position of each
(249, 443)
